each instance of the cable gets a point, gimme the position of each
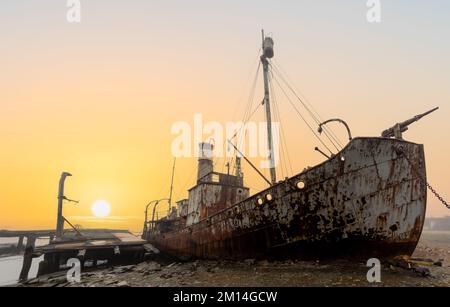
(328, 133)
(280, 71)
(247, 114)
(283, 138)
(335, 142)
(226, 159)
(302, 117)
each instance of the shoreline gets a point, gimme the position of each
(251, 273)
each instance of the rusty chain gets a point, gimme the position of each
(435, 193)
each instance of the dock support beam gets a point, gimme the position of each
(20, 244)
(27, 258)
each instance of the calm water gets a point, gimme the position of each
(10, 266)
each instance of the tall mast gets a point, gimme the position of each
(267, 47)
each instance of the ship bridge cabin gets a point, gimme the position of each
(213, 192)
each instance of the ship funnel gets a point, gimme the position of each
(206, 150)
(205, 162)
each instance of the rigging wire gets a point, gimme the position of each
(276, 73)
(281, 71)
(248, 114)
(283, 155)
(249, 78)
(316, 117)
(333, 142)
(283, 143)
(284, 139)
(302, 117)
(275, 137)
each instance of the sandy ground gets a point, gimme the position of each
(433, 245)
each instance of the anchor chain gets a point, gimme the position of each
(435, 193)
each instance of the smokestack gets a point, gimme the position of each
(205, 162)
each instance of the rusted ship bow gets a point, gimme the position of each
(367, 200)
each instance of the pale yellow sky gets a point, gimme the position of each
(98, 98)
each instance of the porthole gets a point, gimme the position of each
(260, 201)
(269, 197)
(301, 185)
(343, 158)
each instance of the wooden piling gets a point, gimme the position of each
(27, 258)
(20, 244)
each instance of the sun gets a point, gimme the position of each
(101, 208)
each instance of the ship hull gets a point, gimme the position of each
(368, 201)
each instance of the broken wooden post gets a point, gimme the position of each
(27, 258)
(82, 257)
(20, 244)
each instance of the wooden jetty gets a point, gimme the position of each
(28, 249)
(90, 246)
(94, 246)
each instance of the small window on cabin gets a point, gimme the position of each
(215, 178)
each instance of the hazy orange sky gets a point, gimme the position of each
(98, 98)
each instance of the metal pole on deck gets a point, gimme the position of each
(171, 185)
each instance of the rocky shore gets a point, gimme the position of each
(431, 269)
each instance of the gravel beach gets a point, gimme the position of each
(433, 270)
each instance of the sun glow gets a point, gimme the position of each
(101, 208)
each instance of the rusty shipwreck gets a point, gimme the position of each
(366, 200)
